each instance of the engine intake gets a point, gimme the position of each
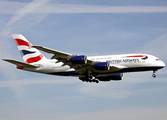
(111, 77)
(102, 66)
(82, 59)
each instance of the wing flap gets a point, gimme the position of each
(116, 67)
(19, 63)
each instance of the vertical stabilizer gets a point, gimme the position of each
(29, 54)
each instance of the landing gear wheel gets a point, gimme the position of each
(88, 79)
(97, 81)
(154, 75)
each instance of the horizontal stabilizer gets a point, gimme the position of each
(20, 63)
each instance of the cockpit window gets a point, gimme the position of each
(157, 59)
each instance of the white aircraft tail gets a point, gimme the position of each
(29, 54)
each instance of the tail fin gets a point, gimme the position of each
(29, 54)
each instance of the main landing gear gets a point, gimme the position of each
(88, 79)
(154, 74)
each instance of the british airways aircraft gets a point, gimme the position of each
(88, 69)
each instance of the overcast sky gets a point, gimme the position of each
(90, 27)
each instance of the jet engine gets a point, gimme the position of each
(102, 66)
(79, 59)
(111, 77)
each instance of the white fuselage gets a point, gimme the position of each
(126, 62)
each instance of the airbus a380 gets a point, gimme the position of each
(89, 69)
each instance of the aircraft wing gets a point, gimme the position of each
(20, 63)
(51, 51)
(80, 68)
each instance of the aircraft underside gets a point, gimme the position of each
(96, 77)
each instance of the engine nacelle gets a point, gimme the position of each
(111, 77)
(82, 59)
(102, 66)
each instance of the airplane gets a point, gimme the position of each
(88, 69)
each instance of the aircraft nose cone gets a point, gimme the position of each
(161, 64)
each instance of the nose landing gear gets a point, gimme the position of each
(154, 74)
